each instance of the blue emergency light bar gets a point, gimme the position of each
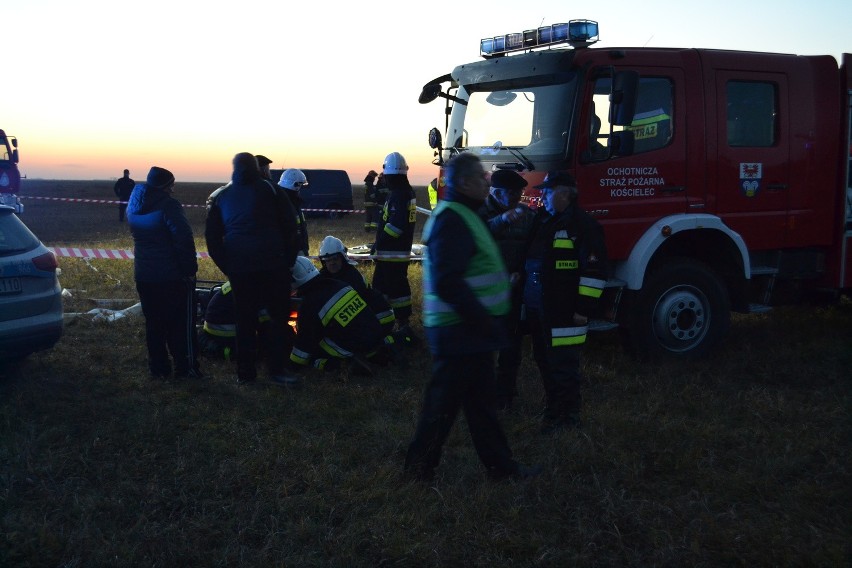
(577, 33)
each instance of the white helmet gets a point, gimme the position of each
(395, 164)
(331, 245)
(293, 179)
(303, 271)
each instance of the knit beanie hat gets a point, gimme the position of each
(160, 178)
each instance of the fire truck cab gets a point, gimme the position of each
(721, 178)
(10, 177)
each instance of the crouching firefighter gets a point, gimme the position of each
(334, 324)
(217, 337)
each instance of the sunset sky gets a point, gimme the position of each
(95, 86)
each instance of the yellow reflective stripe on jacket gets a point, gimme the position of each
(300, 357)
(386, 316)
(333, 349)
(342, 307)
(221, 329)
(561, 240)
(591, 287)
(562, 336)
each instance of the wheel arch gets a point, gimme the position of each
(701, 237)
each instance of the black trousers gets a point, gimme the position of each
(467, 382)
(252, 291)
(559, 368)
(169, 309)
(391, 279)
(509, 358)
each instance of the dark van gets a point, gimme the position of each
(326, 189)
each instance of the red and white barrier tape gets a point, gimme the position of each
(114, 254)
(115, 202)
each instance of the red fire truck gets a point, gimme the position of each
(10, 177)
(721, 178)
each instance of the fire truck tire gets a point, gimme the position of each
(682, 312)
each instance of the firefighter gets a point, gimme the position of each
(510, 223)
(336, 264)
(394, 237)
(218, 334)
(565, 276)
(465, 293)
(334, 324)
(432, 191)
(293, 181)
(371, 209)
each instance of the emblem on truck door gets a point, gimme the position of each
(750, 176)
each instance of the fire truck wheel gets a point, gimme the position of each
(683, 311)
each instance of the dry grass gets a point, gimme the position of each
(742, 460)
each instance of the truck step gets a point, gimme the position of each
(759, 308)
(602, 325)
(763, 270)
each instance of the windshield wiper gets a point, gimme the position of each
(519, 155)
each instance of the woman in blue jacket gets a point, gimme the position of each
(165, 266)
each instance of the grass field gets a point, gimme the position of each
(741, 460)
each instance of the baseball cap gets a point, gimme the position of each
(554, 179)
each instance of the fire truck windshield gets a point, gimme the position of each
(534, 121)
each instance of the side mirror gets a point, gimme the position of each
(429, 93)
(625, 87)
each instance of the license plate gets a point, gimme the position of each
(10, 285)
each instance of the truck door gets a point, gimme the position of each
(752, 193)
(627, 194)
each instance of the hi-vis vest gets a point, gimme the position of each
(486, 274)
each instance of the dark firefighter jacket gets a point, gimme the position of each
(566, 271)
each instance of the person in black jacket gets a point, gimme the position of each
(250, 233)
(293, 180)
(566, 270)
(164, 267)
(465, 295)
(394, 237)
(510, 223)
(122, 189)
(371, 208)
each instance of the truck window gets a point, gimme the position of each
(752, 114)
(534, 120)
(652, 124)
